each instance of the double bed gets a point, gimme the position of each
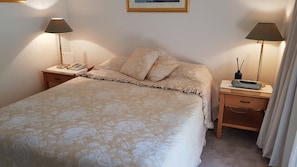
(108, 118)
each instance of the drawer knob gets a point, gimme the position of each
(245, 102)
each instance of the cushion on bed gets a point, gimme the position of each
(114, 64)
(140, 62)
(163, 66)
(195, 72)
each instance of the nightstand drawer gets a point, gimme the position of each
(246, 102)
(57, 78)
(243, 118)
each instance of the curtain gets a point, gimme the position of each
(273, 132)
(293, 157)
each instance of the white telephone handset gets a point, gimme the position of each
(77, 66)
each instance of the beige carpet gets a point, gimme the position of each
(237, 148)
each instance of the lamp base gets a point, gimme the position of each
(60, 66)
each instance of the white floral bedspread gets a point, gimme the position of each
(88, 122)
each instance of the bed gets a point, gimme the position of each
(109, 117)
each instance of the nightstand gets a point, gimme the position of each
(242, 108)
(53, 76)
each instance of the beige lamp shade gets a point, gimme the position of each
(265, 32)
(58, 25)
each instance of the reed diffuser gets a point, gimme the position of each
(238, 74)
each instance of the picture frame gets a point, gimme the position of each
(157, 5)
(12, 0)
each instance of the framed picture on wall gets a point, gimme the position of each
(157, 5)
(12, 0)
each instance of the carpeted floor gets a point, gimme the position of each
(236, 148)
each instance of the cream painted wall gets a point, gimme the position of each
(212, 32)
(24, 47)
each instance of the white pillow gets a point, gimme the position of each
(163, 66)
(140, 62)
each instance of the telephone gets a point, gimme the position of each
(77, 66)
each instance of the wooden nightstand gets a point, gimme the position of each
(242, 108)
(53, 76)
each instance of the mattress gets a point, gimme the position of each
(107, 119)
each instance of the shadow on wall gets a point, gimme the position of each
(97, 49)
(89, 53)
(254, 17)
(21, 28)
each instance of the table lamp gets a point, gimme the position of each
(58, 25)
(264, 32)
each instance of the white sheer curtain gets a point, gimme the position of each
(273, 133)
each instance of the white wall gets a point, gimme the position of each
(213, 33)
(24, 47)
